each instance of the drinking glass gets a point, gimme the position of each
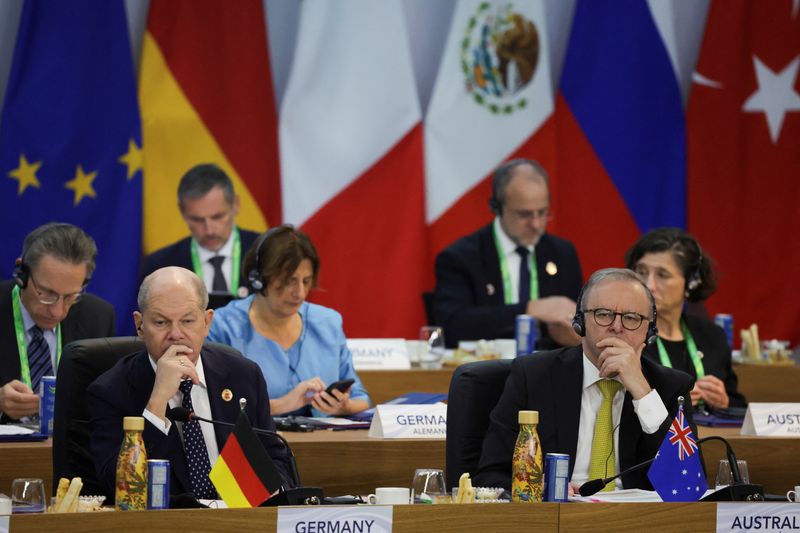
(724, 475)
(431, 347)
(27, 495)
(427, 485)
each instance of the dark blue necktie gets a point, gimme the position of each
(38, 358)
(524, 275)
(218, 284)
(196, 451)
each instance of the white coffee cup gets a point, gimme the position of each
(390, 496)
(507, 348)
(794, 495)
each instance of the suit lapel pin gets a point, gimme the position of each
(242, 292)
(489, 289)
(227, 395)
(699, 353)
(551, 268)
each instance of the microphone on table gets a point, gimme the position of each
(593, 486)
(181, 414)
(738, 491)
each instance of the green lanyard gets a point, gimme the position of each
(22, 342)
(508, 293)
(236, 257)
(690, 346)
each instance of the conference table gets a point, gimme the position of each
(545, 517)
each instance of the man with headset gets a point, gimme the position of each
(600, 402)
(509, 267)
(215, 249)
(44, 308)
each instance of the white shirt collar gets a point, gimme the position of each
(205, 254)
(198, 368)
(508, 246)
(591, 374)
(27, 319)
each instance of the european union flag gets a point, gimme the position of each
(70, 139)
(677, 474)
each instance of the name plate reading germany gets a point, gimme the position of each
(757, 517)
(772, 419)
(335, 519)
(379, 354)
(409, 421)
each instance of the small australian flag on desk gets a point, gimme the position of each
(677, 474)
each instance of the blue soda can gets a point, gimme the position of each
(157, 484)
(726, 323)
(556, 471)
(47, 404)
(526, 334)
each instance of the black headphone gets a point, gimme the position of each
(21, 272)
(255, 278)
(579, 320)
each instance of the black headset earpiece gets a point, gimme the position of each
(578, 320)
(255, 278)
(495, 205)
(652, 329)
(21, 274)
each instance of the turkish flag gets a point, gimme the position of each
(743, 124)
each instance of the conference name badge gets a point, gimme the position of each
(379, 354)
(343, 519)
(409, 421)
(771, 419)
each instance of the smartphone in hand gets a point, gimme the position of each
(343, 385)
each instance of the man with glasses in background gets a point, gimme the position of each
(44, 308)
(510, 267)
(600, 402)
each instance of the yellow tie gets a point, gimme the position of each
(603, 462)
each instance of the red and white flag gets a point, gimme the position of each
(351, 162)
(492, 101)
(743, 127)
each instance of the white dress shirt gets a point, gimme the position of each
(208, 270)
(513, 259)
(650, 411)
(201, 406)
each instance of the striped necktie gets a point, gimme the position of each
(603, 461)
(196, 451)
(38, 357)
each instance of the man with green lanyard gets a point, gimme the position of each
(44, 308)
(510, 267)
(215, 249)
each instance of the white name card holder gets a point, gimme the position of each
(379, 354)
(772, 419)
(409, 421)
(761, 516)
(339, 518)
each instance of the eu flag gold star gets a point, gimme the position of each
(25, 174)
(82, 184)
(133, 158)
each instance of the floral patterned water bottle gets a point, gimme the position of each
(527, 478)
(131, 486)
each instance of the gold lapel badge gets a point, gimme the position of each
(551, 268)
(489, 289)
(227, 395)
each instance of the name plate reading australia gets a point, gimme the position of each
(772, 419)
(409, 421)
(335, 519)
(757, 517)
(379, 354)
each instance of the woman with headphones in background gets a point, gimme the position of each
(676, 270)
(300, 346)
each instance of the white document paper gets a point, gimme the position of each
(772, 419)
(379, 354)
(11, 429)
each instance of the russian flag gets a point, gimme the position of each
(621, 133)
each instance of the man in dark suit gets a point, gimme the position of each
(216, 247)
(510, 267)
(176, 369)
(566, 386)
(44, 308)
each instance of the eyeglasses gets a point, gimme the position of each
(605, 317)
(50, 297)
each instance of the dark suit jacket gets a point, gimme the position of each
(469, 299)
(89, 318)
(125, 389)
(180, 254)
(711, 340)
(551, 383)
